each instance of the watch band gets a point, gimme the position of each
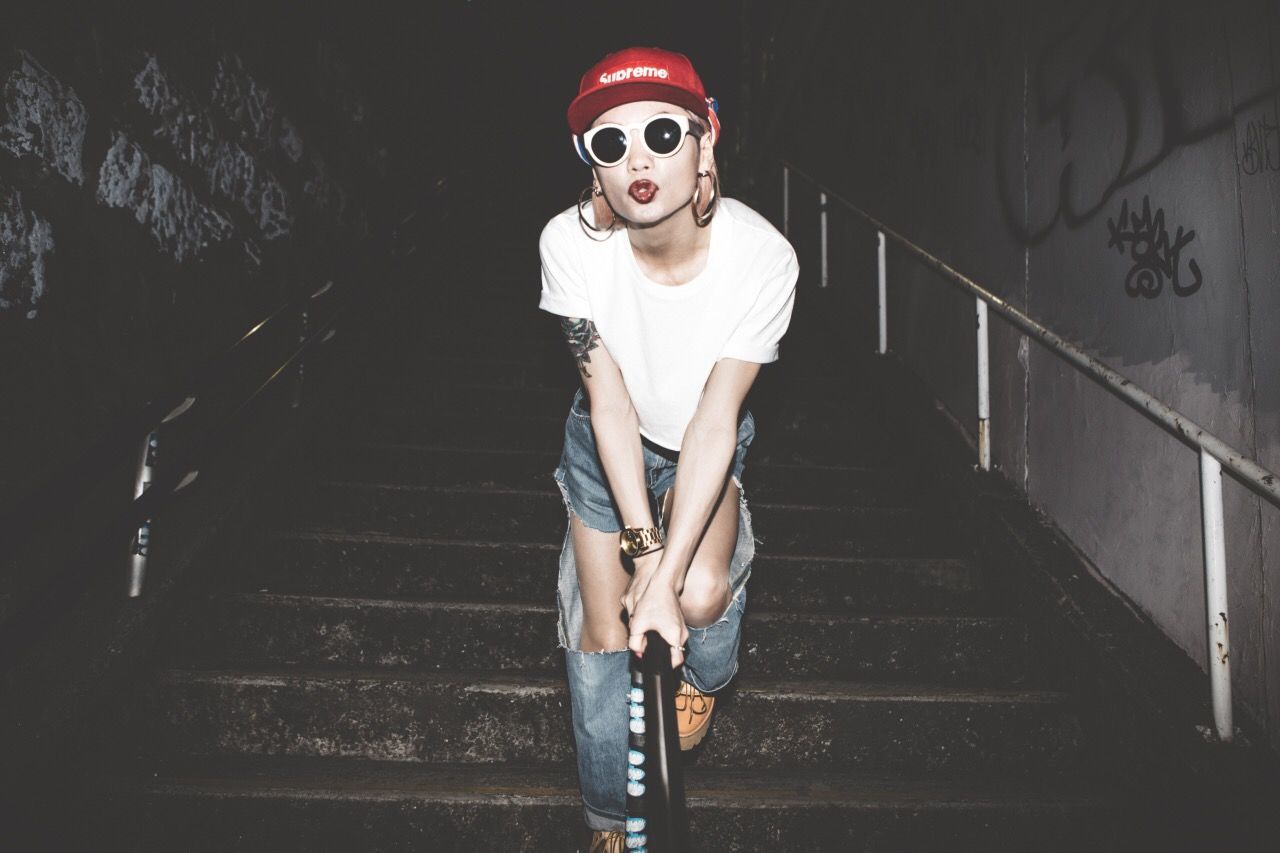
(636, 541)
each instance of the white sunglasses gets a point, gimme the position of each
(663, 135)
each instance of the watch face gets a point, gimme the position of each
(630, 542)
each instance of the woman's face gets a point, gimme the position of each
(644, 189)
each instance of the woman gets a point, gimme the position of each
(670, 298)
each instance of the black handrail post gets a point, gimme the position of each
(659, 790)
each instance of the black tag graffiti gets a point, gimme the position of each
(1260, 151)
(1154, 259)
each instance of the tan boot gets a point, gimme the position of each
(693, 715)
(608, 842)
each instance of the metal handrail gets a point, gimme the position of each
(1214, 452)
(91, 466)
(165, 406)
(143, 510)
(35, 516)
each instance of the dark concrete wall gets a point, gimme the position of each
(1114, 171)
(165, 180)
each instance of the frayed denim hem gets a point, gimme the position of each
(600, 821)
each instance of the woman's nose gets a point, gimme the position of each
(638, 156)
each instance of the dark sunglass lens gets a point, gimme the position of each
(609, 145)
(662, 135)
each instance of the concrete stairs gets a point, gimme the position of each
(380, 671)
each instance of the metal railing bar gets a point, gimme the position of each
(1174, 422)
(146, 499)
(321, 335)
(93, 461)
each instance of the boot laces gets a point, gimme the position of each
(608, 842)
(689, 699)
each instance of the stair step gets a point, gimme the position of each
(443, 393)
(431, 391)
(475, 399)
(517, 370)
(303, 804)
(415, 465)
(432, 427)
(337, 563)
(511, 316)
(760, 723)
(445, 430)
(257, 630)
(499, 336)
(540, 516)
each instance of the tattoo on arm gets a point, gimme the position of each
(582, 337)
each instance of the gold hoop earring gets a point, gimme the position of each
(707, 215)
(585, 197)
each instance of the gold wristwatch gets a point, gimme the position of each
(640, 540)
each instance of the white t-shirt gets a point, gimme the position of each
(666, 338)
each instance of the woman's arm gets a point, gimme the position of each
(706, 452)
(706, 455)
(613, 422)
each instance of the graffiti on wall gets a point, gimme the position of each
(43, 119)
(1122, 68)
(1260, 150)
(1155, 259)
(26, 239)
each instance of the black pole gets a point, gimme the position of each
(657, 796)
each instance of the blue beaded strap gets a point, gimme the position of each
(637, 838)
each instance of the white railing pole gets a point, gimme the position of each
(822, 223)
(883, 291)
(786, 201)
(1174, 422)
(1215, 588)
(141, 547)
(984, 389)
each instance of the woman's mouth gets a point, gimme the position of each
(643, 191)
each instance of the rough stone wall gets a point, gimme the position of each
(1113, 170)
(25, 240)
(45, 119)
(162, 187)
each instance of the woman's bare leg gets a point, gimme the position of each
(706, 586)
(601, 583)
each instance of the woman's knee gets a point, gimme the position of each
(705, 595)
(600, 635)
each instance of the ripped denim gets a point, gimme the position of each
(599, 681)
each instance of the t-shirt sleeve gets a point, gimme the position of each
(564, 287)
(756, 337)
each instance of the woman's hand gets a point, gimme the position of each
(645, 572)
(652, 601)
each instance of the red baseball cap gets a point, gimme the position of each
(640, 74)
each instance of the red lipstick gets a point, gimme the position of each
(643, 191)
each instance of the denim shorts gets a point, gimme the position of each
(585, 489)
